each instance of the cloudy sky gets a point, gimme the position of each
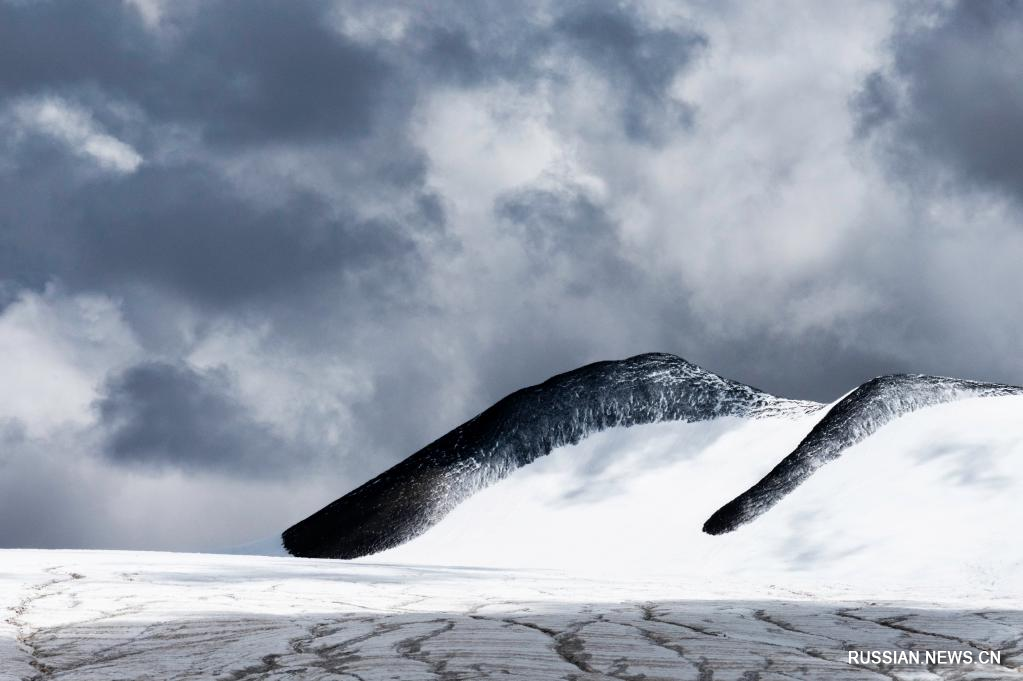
(253, 253)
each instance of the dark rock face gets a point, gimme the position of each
(853, 419)
(406, 500)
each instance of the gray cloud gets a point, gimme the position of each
(247, 76)
(184, 228)
(253, 77)
(169, 415)
(638, 60)
(55, 494)
(875, 104)
(568, 235)
(43, 503)
(952, 96)
(258, 72)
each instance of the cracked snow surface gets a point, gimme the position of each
(95, 616)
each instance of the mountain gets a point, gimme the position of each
(645, 449)
(855, 417)
(406, 500)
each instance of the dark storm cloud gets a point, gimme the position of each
(170, 415)
(252, 74)
(241, 72)
(639, 61)
(185, 229)
(256, 72)
(961, 103)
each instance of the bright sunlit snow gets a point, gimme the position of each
(930, 502)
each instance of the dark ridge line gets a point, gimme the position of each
(854, 418)
(409, 498)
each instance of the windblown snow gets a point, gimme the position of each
(929, 503)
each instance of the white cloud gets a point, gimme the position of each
(75, 127)
(151, 11)
(483, 143)
(56, 349)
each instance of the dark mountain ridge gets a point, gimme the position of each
(407, 499)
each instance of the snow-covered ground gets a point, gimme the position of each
(94, 616)
(590, 564)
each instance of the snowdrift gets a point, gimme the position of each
(931, 499)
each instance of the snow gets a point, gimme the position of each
(930, 502)
(113, 615)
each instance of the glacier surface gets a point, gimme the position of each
(117, 616)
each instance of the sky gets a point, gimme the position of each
(254, 253)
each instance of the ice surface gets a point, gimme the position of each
(106, 616)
